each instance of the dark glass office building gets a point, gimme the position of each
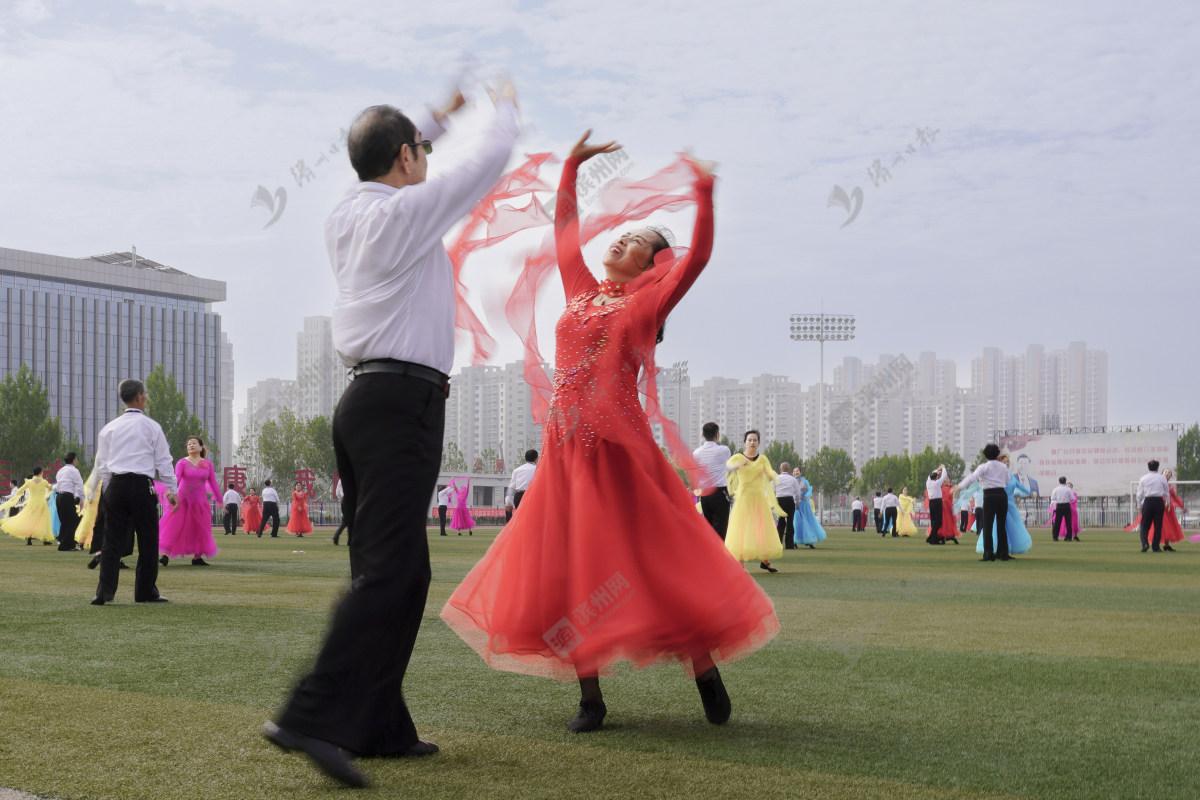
(84, 324)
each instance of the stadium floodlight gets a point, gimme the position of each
(822, 328)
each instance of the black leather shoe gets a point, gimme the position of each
(1005, 558)
(99, 600)
(158, 599)
(164, 560)
(421, 749)
(955, 540)
(767, 567)
(717, 707)
(589, 717)
(326, 756)
(1168, 548)
(1156, 549)
(1145, 547)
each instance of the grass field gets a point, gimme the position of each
(903, 671)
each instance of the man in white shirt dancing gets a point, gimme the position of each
(233, 503)
(1152, 494)
(68, 487)
(891, 507)
(787, 494)
(522, 476)
(714, 491)
(858, 520)
(393, 325)
(130, 453)
(270, 500)
(1061, 498)
(992, 475)
(933, 490)
(443, 498)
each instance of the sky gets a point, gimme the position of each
(1046, 190)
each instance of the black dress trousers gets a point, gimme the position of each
(387, 436)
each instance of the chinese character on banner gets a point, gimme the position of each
(305, 478)
(235, 475)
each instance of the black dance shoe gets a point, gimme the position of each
(811, 546)
(590, 717)
(717, 707)
(158, 598)
(767, 567)
(100, 600)
(421, 749)
(1156, 549)
(199, 562)
(955, 540)
(164, 560)
(1168, 548)
(122, 565)
(94, 562)
(1145, 547)
(1005, 558)
(326, 756)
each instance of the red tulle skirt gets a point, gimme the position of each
(251, 517)
(1172, 531)
(607, 560)
(298, 521)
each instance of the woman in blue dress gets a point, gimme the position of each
(808, 529)
(1019, 540)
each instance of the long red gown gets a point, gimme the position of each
(298, 521)
(252, 513)
(608, 559)
(1172, 531)
(949, 516)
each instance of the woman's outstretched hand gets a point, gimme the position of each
(702, 169)
(582, 151)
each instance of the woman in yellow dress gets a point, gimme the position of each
(752, 535)
(33, 521)
(904, 521)
(87, 522)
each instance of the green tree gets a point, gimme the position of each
(831, 471)
(453, 459)
(283, 445)
(169, 408)
(71, 444)
(29, 437)
(318, 452)
(886, 471)
(733, 448)
(1187, 456)
(779, 452)
(928, 460)
(489, 459)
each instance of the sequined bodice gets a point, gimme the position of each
(598, 355)
(193, 479)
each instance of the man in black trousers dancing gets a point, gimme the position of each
(131, 451)
(393, 324)
(992, 475)
(1152, 493)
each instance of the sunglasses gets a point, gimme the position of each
(424, 144)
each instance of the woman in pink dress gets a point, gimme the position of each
(298, 521)
(188, 529)
(462, 519)
(608, 560)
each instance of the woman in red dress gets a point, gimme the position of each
(252, 511)
(298, 521)
(950, 531)
(565, 591)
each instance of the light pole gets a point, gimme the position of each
(822, 328)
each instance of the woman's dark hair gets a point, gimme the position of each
(747, 435)
(36, 471)
(375, 139)
(203, 449)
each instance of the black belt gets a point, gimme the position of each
(395, 367)
(995, 489)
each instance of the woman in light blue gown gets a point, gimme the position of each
(1019, 540)
(808, 529)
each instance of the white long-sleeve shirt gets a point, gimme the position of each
(989, 474)
(1061, 494)
(69, 481)
(133, 443)
(891, 501)
(787, 486)
(395, 287)
(712, 457)
(933, 486)
(857, 505)
(269, 495)
(522, 476)
(232, 498)
(1153, 484)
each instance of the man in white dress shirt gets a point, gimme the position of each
(233, 503)
(891, 507)
(270, 498)
(858, 520)
(1152, 494)
(68, 487)
(522, 476)
(877, 509)
(992, 476)
(130, 453)
(714, 481)
(443, 498)
(787, 494)
(393, 325)
(933, 490)
(1061, 498)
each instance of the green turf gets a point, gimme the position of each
(903, 671)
